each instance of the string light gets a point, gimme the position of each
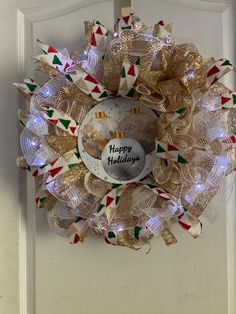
(47, 92)
(188, 198)
(189, 74)
(75, 198)
(154, 224)
(223, 163)
(50, 186)
(199, 187)
(38, 120)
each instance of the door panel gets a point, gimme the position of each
(40, 271)
(210, 25)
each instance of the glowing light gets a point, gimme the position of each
(50, 185)
(85, 52)
(189, 74)
(215, 133)
(154, 224)
(47, 92)
(188, 198)
(136, 24)
(199, 187)
(115, 34)
(120, 229)
(166, 40)
(223, 163)
(154, 56)
(38, 120)
(39, 162)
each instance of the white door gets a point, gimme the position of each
(40, 273)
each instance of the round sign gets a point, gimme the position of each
(116, 140)
(123, 159)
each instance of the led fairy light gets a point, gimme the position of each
(127, 134)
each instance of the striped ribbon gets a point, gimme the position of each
(111, 199)
(161, 29)
(169, 152)
(217, 70)
(227, 100)
(89, 85)
(99, 36)
(28, 88)
(124, 23)
(56, 59)
(128, 79)
(78, 230)
(59, 166)
(40, 197)
(61, 120)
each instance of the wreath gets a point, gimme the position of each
(130, 132)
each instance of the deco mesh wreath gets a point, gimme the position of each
(128, 133)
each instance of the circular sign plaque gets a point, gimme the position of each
(116, 140)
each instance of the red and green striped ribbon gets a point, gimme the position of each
(61, 62)
(61, 120)
(128, 79)
(156, 189)
(59, 166)
(227, 100)
(161, 29)
(28, 88)
(111, 199)
(23, 117)
(194, 229)
(217, 70)
(229, 142)
(40, 197)
(99, 36)
(110, 237)
(170, 152)
(89, 85)
(124, 23)
(78, 230)
(177, 114)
